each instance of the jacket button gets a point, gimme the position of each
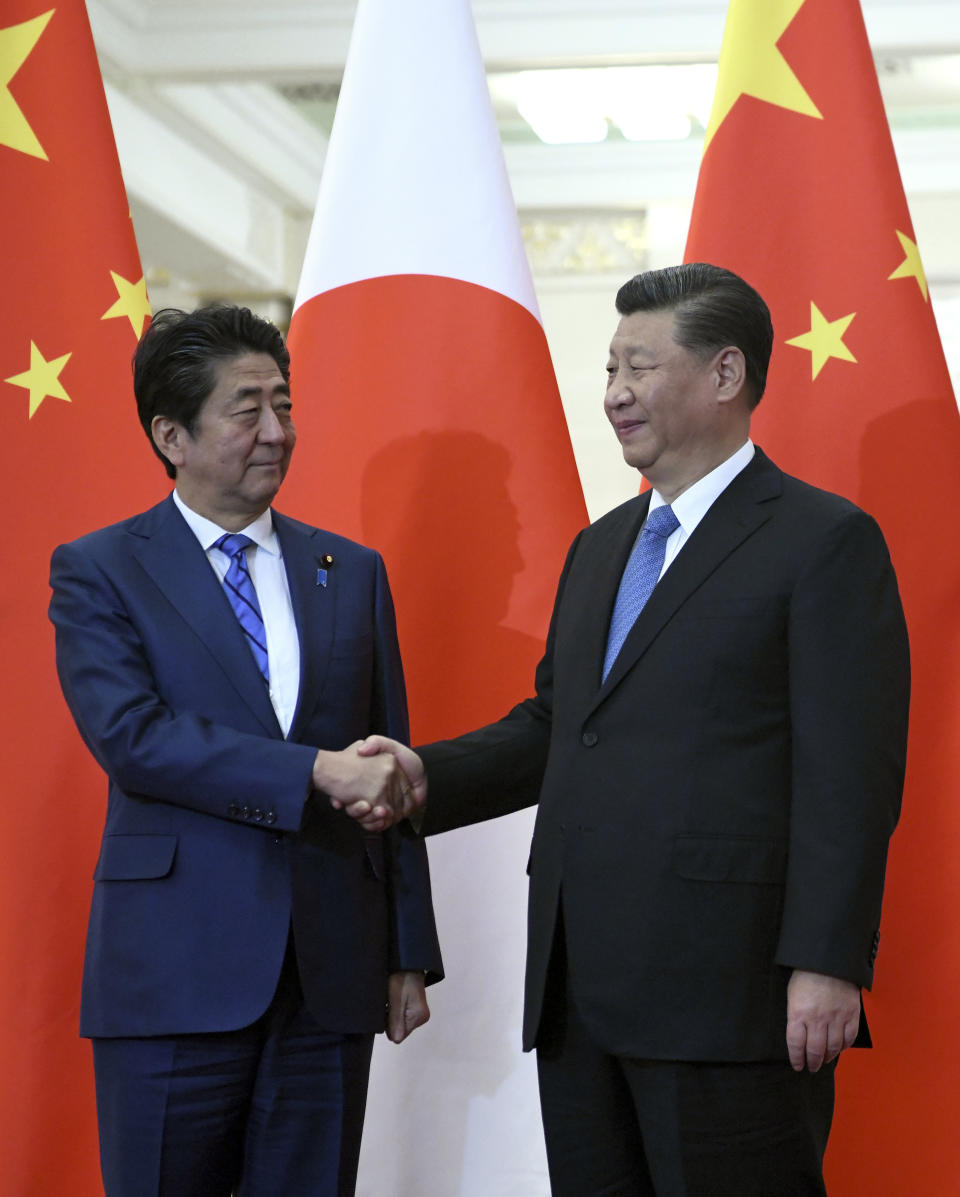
(233, 810)
(257, 815)
(244, 812)
(270, 817)
(589, 739)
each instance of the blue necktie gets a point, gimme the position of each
(239, 589)
(639, 578)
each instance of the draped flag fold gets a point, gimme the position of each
(431, 428)
(799, 192)
(72, 305)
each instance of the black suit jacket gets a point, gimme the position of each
(717, 812)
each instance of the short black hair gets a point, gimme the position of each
(714, 308)
(175, 363)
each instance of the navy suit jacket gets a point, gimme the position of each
(716, 812)
(211, 849)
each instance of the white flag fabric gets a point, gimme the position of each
(414, 181)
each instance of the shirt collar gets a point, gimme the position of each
(260, 531)
(696, 500)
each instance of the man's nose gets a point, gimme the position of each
(270, 430)
(618, 394)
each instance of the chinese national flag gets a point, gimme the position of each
(72, 305)
(430, 427)
(799, 193)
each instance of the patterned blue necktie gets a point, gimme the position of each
(239, 589)
(639, 578)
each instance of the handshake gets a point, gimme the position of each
(377, 781)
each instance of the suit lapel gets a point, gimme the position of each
(734, 516)
(314, 609)
(172, 557)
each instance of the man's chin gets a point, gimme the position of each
(263, 495)
(638, 459)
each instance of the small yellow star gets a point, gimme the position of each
(16, 44)
(751, 64)
(825, 339)
(42, 379)
(133, 302)
(911, 266)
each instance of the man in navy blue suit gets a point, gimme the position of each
(247, 938)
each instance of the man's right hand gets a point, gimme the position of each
(408, 761)
(373, 789)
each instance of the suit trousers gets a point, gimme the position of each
(272, 1110)
(622, 1127)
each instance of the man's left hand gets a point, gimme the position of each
(823, 1015)
(407, 1006)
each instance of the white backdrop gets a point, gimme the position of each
(454, 1110)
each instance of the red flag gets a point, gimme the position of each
(72, 305)
(799, 193)
(431, 427)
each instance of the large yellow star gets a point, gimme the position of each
(911, 266)
(42, 379)
(825, 339)
(751, 64)
(16, 43)
(133, 302)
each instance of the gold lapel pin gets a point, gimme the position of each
(325, 562)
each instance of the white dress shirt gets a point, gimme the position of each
(265, 563)
(696, 500)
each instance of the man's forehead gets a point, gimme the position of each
(249, 373)
(642, 330)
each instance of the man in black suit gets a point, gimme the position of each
(717, 745)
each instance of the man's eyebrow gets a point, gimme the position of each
(249, 392)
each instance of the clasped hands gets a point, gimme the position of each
(376, 781)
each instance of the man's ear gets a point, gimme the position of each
(169, 437)
(731, 373)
